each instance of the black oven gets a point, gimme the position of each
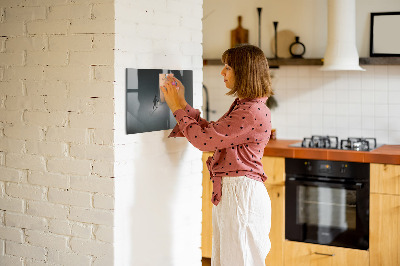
(327, 202)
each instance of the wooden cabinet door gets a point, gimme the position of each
(206, 226)
(277, 233)
(274, 168)
(385, 178)
(304, 254)
(384, 236)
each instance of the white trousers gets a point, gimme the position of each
(241, 223)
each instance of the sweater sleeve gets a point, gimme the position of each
(193, 113)
(229, 131)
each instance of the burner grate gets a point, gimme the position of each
(327, 142)
(358, 144)
(332, 142)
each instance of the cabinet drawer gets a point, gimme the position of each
(305, 254)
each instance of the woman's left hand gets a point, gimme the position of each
(170, 90)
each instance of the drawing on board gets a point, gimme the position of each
(146, 110)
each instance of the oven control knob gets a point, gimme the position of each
(343, 168)
(308, 166)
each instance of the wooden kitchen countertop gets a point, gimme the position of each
(389, 154)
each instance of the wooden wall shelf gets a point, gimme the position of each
(274, 63)
(380, 61)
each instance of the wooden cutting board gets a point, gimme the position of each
(239, 35)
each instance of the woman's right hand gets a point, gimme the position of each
(181, 91)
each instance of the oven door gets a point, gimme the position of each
(327, 213)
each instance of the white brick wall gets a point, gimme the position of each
(156, 177)
(62, 67)
(56, 132)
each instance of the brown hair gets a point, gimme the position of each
(250, 66)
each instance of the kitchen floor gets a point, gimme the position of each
(206, 261)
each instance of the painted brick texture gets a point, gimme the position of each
(56, 132)
(157, 180)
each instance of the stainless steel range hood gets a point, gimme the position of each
(341, 51)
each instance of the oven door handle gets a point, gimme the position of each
(357, 185)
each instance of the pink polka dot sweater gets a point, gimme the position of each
(238, 139)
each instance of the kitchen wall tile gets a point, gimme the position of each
(303, 82)
(278, 71)
(354, 83)
(380, 84)
(291, 71)
(328, 74)
(394, 110)
(394, 137)
(381, 97)
(381, 110)
(367, 83)
(305, 95)
(367, 133)
(292, 94)
(355, 109)
(292, 83)
(342, 109)
(394, 97)
(367, 96)
(342, 122)
(342, 133)
(355, 132)
(278, 83)
(365, 99)
(317, 131)
(304, 72)
(293, 120)
(381, 136)
(367, 110)
(304, 109)
(332, 131)
(291, 133)
(317, 120)
(304, 131)
(329, 93)
(342, 80)
(394, 83)
(329, 109)
(381, 123)
(394, 123)
(355, 75)
(316, 82)
(317, 107)
(380, 71)
(368, 123)
(329, 122)
(355, 96)
(355, 122)
(317, 95)
(342, 96)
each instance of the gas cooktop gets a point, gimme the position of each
(332, 142)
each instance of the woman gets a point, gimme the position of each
(242, 208)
